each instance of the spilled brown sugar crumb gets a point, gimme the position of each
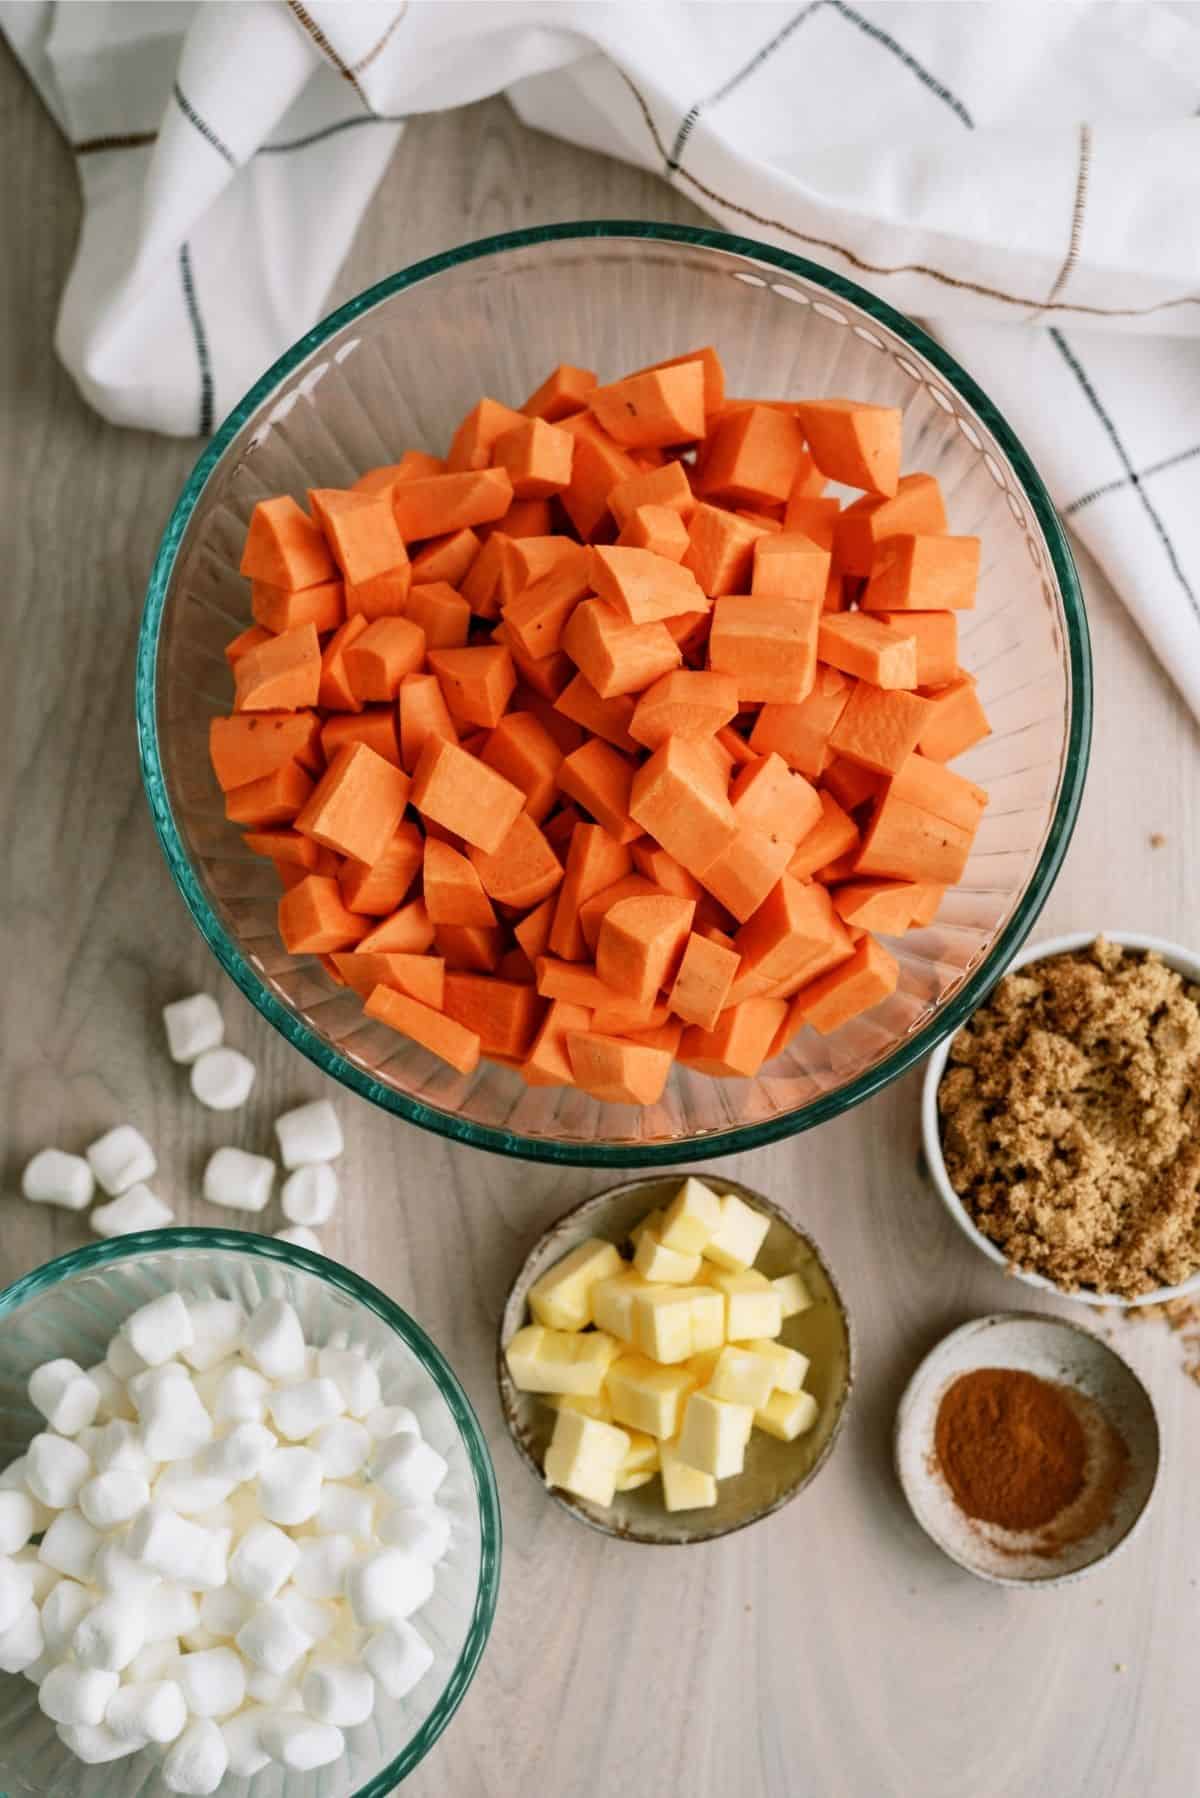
(1070, 1116)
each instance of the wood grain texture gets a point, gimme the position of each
(830, 1651)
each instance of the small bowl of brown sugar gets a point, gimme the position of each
(1027, 1449)
(1062, 1121)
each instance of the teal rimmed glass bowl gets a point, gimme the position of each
(72, 1305)
(397, 367)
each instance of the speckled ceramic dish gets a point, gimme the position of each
(775, 1471)
(1056, 1350)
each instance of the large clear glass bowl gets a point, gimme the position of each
(398, 367)
(73, 1305)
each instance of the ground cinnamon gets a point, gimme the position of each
(1011, 1448)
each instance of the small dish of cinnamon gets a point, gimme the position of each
(1027, 1449)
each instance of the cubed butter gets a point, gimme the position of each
(714, 1435)
(692, 1218)
(600, 1406)
(562, 1361)
(656, 1262)
(612, 1304)
(662, 1323)
(651, 1221)
(787, 1415)
(685, 1488)
(702, 1365)
(790, 1366)
(640, 1464)
(742, 1378)
(585, 1456)
(752, 1308)
(647, 1397)
(708, 1319)
(793, 1293)
(559, 1299)
(739, 1235)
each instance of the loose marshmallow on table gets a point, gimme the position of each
(120, 1158)
(238, 1180)
(301, 1237)
(193, 1025)
(309, 1195)
(311, 1133)
(222, 1079)
(197, 1763)
(66, 1397)
(398, 1657)
(137, 1209)
(55, 1178)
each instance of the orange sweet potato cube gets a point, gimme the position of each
(377, 888)
(706, 973)
(248, 745)
(523, 871)
(599, 464)
(923, 574)
(879, 729)
(536, 617)
(537, 456)
(937, 789)
(378, 660)
(768, 645)
(281, 675)
(357, 804)
(854, 443)
(617, 1069)
(594, 860)
(794, 926)
(422, 977)
(640, 943)
(936, 637)
(447, 558)
(688, 703)
(361, 531)
(904, 842)
(441, 1035)
(473, 443)
(607, 718)
(955, 721)
(478, 682)
(835, 834)
(753, 456)
(644, 587)
(764, 793)
(463, 795)
(284, 547)
(452, 889)
(660, 529)
(313, 919)
(407, 932)
(679, 800)
(617, 657)
(859, 645)
(738, 1043)
(548, 1063)
(523, 751)
(504, 1014)
(422, 713)
(333, 688)
(273, 798)
(434, 505)
(600, 779)
(720, 550)
(747, 869)
(666, 487)
(790, 566)
(375, 725)
(917, 506)
(646, 411)
(283, 608)
(383, 596)
(863, 980)
(564, 391)
(440, 613)
(800, 733)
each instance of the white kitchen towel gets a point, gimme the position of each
(1025, 178)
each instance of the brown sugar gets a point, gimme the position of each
(1070, 1113)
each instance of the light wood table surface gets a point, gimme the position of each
(830, 1651)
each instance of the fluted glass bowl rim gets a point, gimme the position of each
(906, 1054)
(96, 1256)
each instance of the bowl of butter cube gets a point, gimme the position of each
(675, 1360)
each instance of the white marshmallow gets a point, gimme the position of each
(137, 1209)
(223, 1612)
(241, 1455)
(160, 1330)
(356, 1378)
(309, 1134)
(321, 1570)
(408, 1469)
(114, 1399)
(186, 1489)
(222, 1079)
(300, 1237)
(334, 1692)
(174, 1421)
(119, 1447)
(299, 1742)
(196, 1764)
(94, 1743)
(342, 1447)
(64, 1395)
(238, 1180)
(309, 1195)
(274, 1341)
(171, 1611)
(392, 1420)
(310, 1616)
(113, 1498)
(263, 1561)
(421, 1529)
(62, 1613)
(122, 1358)
(154, 1712)
(193, 1025)
(299, 1411)
(17, 1518)
(213, 1682)
(22, 1643)
(16, 1590)
(152, 1380)
(159, 1538)
(44, 1578)
(346, 1511)
(246, 1754)
(279, 1690)
(198, 1639)
(114, 1571)
(111, 1633)
(398, 1657)
(76, 1694)
(242, 1396)
(55, 1470)
(53, 1178)
(289, 1486)
(216, 1327)
(120, 1158)
(272, 1639)
(69, 1546)
(386, 1585)
(154, 1662)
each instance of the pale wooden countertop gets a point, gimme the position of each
(831, 1651)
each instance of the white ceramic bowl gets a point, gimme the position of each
(1185, 962)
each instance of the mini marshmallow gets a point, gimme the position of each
(197, 1763)
(356, 1378)
(174, 1421)
(137, 1209)
(335, 1692)
(193, 1026)
(263, 1561)
(94, 1743)
(408, 1469)
(342, 1447)
(71, 1694)
(222, 1079)
(274, 1341)
(17, 1519)
(16, 1591)
(155, 1712)
(159, 1538)
(111, 1633)
(299, 1411)
(241, 1455)
(64, 1395)
(69, 1546)
(120, 1158)
(54, 1178)
(119, 1446)
(224, 1611)
(62, 1613)
(238, 1180)
(300, 1238)
(186, 1489)
(246, 1755)
(289, 1486)
(153, 1662)
(310, 1616)
(272, 1639)
(387, 1585)
(151, 1381)
(279, 1690)
(321, 1570)
(22, 1643)
(122, 1358)
(160, 1330)
(213, 1682)
(44, 1579)
(114, 1399)
(114, 1571)
(217, 1325)
(111, 1499)
(346, 1511)
(299, 1742)
(171, 1611)
(310, 1133)
(242, 1396)
(392, 1420)
(198, 1639)
(55, 1470)
(422, 1530)
(310, 1195)
(398, 1657)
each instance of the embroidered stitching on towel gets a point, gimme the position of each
(1085, 499)
(735, 81)
(200, 337)
(202, 125)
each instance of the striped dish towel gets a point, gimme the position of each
(1024, 178)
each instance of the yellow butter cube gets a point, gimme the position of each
(647, 1397)
(787, 1415)
(585, 1456)
(752, 1308)
(692, 1218)
(640, 1464)
(651, 1221)
(685, 1488)
(524, 1354)
(600, 1406)
(662, 1322)
(702, 1365)
(562, 1361)
(708, 1319)
(793, 1294)
(742, 1378)
(739, 1235)
(612, 1303)
(790, 1366)
(559, 1299)
(655, 1261)
(714, 1435)
(631, 1482)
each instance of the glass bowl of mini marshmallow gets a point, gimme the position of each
(249, 1527)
